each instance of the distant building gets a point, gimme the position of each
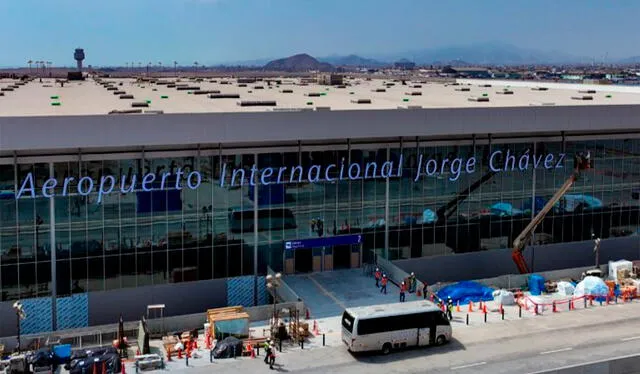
(330, 79)
(404, 65)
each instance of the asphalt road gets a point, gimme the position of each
(520, 346)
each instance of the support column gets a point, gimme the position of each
(255, 234)
(53, 249)
(386, 212)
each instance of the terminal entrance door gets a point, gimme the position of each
(322, 254)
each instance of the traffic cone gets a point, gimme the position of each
(470, 306)
(315, 327)
(179, 353)
(169, 353)
(250, 349)
(122, 370)
(501, 310)
(555, 310)
(484, 308)
(458, 307)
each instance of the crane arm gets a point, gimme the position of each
(448, 209)
(521, 241)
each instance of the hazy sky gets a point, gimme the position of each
(113, 32)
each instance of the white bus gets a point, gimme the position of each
(394, 326)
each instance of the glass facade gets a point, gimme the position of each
(170, 235)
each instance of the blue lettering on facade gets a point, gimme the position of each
(427, 166)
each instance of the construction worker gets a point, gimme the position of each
(450, 309)
(383, 282)
(267, 351)
(412, 283)
(272, 356)
(378, 275)
(403, 289)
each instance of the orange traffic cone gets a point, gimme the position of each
(555, 309)
(501, 310)
(458, 307)
(484, 308)
(470, 306)
(169, 353)
(250, 349)
(179, 353)
(571, 306)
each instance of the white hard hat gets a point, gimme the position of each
(412, 273)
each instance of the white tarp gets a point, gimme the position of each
(565, 288)
(614, 266)
(504, 297)
(593, 286)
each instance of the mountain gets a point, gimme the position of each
(352, 60)
(248, 63)
(298, 63)
(486, 53)
(630, 60)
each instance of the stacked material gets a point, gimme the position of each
(229, 321)
(619, 270)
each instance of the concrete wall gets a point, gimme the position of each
(489, 264)
(179, 298)
(620, 365)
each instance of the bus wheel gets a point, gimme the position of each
(441, 340)
(386, 348)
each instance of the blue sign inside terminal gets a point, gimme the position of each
(323, 242)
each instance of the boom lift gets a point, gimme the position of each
(581, 162)
(445, 211)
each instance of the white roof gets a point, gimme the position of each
(392, 309)
(90, 98)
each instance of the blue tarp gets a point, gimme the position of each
(536, 285)
(464, 292)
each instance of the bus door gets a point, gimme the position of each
(424, 336)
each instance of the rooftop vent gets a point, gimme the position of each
(242, 85)
(112, 89)
(416, 86)
(188, 88)
(323, 108)
(505, 92)
(6, 89)
(119, 92)
(1, 93)
(484, 85)
(224, 82)
(126, 111)
(390, 84)
(171, 85)
(313, 94)
(361, 101)
(257, 103)
(540, 89)
(140, 104)
(162, 83)
(224, 96)
(454, 84)
(585, 97)
(291, 109)
(213, 81)
(126, 96)
(341, 86)
(258, 87)
(287, 91)
(414, 93)
(463, 89)
(203, 92)
(478, 99)
(379, 90)
(587, 91)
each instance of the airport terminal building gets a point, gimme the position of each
(118, 192)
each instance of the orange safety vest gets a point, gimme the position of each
(378, 275)
(384, 281)
(403, 288)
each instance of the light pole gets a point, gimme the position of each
(20, 315)
(273, 282)
(596, 249)
(175, 68)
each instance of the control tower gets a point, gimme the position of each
(78, 55)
